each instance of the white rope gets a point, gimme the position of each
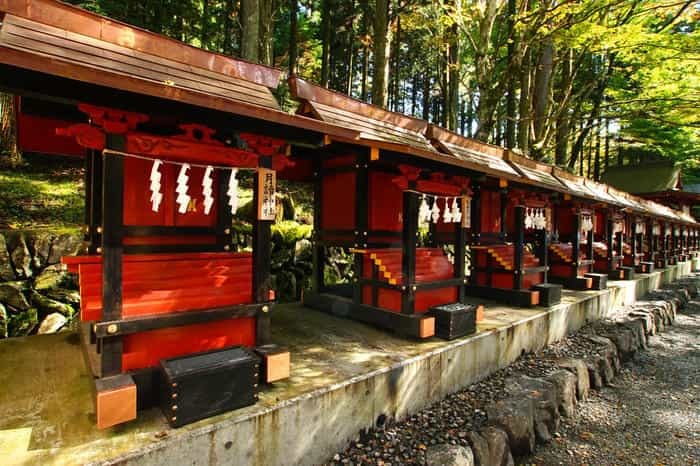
(143, 157)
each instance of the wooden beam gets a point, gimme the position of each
(519, 246)
(112, 251)
(261, 262)
(576, 244)
(111, 328)
(410, 243)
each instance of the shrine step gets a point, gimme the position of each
(645, 267)
(455, 320)
(599, 280)
(550, 293)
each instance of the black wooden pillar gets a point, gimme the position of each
(576, 243)
(475, 227)
(610, 239)
(261, 260)
(519, 218)
(224, 216)
(361, 221)
(460, 251)
(504, 213)
(542, 250)
(590, 250)
(555, 218)
(111, 348)
(93, 199)
(664, 243)
(317, 258)
(674, 241)
(410, 242)
(633, 241)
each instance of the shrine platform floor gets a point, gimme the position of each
(344, 376)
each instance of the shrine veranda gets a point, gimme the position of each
(165, 129)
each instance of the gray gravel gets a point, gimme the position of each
(650, 416)
(449, 420)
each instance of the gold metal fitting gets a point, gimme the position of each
(99, 250)
(99, 229)
(174, 418)
(174, 395)
(227, 247)
(174, 385)
(112, 329)
(174, 408)
(227, 231)
(265, 308)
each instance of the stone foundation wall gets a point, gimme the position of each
(36, 295)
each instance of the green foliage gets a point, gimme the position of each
(289, 231)
(633, 64)
(35, 199)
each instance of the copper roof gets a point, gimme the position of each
(472, 154)
(574, 183)
(377, 127)
(537, 172)
(57, 39)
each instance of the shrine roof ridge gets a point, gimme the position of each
(77, 20)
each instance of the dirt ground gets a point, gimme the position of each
(650, 416)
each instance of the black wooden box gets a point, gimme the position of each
(454, 320)
(201, 385)
(550, 293)
(600, 280)
(627, 273)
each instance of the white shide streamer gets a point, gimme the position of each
(206, 189)
(156, 177)
(232, 192)
(183, 199)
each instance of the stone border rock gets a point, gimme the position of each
(531, 412)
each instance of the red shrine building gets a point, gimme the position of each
(436, 224)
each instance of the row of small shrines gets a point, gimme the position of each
(183, 298)
(171, 317)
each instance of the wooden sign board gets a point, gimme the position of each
(466, 211)
(267, 185)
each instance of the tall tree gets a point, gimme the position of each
(250, 30)
(510, 97)
(266, 10)
(326, 38)
(453, 67)
(293, 32)
(9, 150)
(382, 44)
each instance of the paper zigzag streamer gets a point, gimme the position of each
(206, 190)
(232, 192)
(156, 195)
(183, 199)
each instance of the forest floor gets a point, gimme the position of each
(43, 193)
(649, 416)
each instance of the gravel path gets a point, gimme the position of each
(650, 416)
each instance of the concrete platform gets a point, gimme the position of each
(344, 376)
